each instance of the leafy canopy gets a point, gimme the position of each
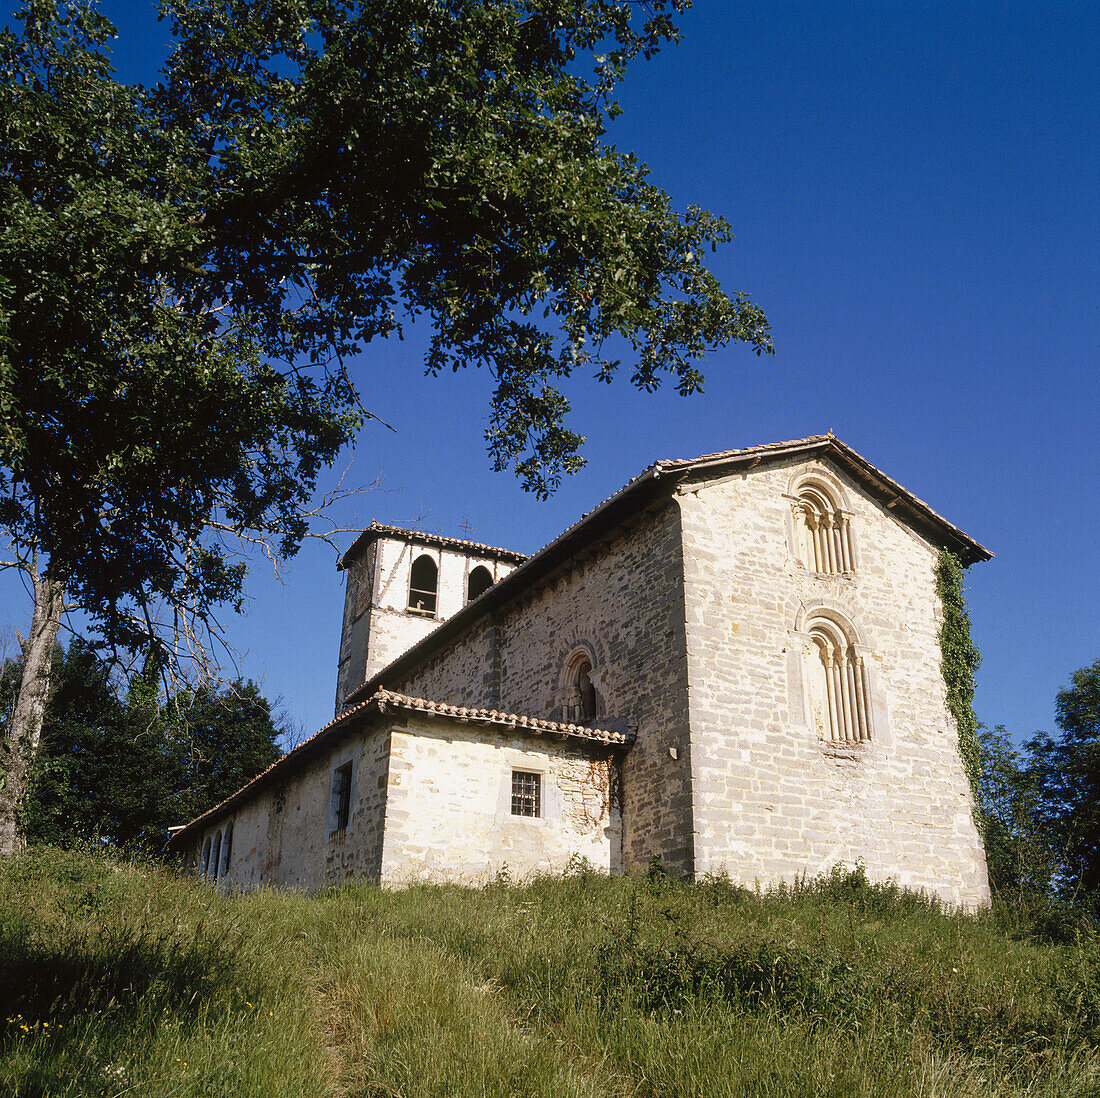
(184, 269)
(1068, 770)
(1042, 802)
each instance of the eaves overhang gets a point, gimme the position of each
(378, 530)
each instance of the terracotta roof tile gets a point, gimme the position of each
(379, 529)
(494, 716)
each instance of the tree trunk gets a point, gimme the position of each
(20, 744)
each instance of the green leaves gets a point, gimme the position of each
(119, 767)
(186, 267)
(447, 159)
(959, 663)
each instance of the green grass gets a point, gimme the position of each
(118, 979)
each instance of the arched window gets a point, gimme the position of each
(840, 696)
(825, 534)
(481, 579)
(423, 584)
(227, 847)
(580, 702)
(215, 855)
(204, 861)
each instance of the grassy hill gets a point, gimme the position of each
(123, 980)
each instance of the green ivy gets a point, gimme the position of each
(960, 660)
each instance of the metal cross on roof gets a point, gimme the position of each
(466, 529)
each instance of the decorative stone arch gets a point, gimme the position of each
(834, 692)
(831, 610)
(820, 530)
(581, 695)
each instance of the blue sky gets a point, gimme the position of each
(915, 197)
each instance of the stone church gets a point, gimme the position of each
(732, 663)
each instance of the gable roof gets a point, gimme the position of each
(659, 480)
(379, 704)
(874, 481)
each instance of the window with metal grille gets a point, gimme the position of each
(526, 794)
(341, 797)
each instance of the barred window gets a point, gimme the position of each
(341, 797)
(526, 794)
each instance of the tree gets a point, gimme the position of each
(184, 269)
(224, 737)
(1068, 774)
(1021, 852)
(121, 768)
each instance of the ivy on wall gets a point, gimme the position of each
(960, 660)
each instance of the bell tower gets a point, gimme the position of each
(401, 584)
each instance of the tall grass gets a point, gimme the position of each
(124, 980)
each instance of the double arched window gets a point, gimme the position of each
(423, 586)
(840, 695)
(216, 852)
(824, 533)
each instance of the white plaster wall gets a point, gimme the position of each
(449, 815)
(771, 800)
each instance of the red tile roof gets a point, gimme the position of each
(381, 702)
(473, 548)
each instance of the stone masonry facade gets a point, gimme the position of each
(772, 801)
(623, 605)
(377, 623)
(429, 799)
(758, 631)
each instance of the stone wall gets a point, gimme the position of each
(285, 838)
(772, 799)
(623, 605)
(430, 800)
(449, 815)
